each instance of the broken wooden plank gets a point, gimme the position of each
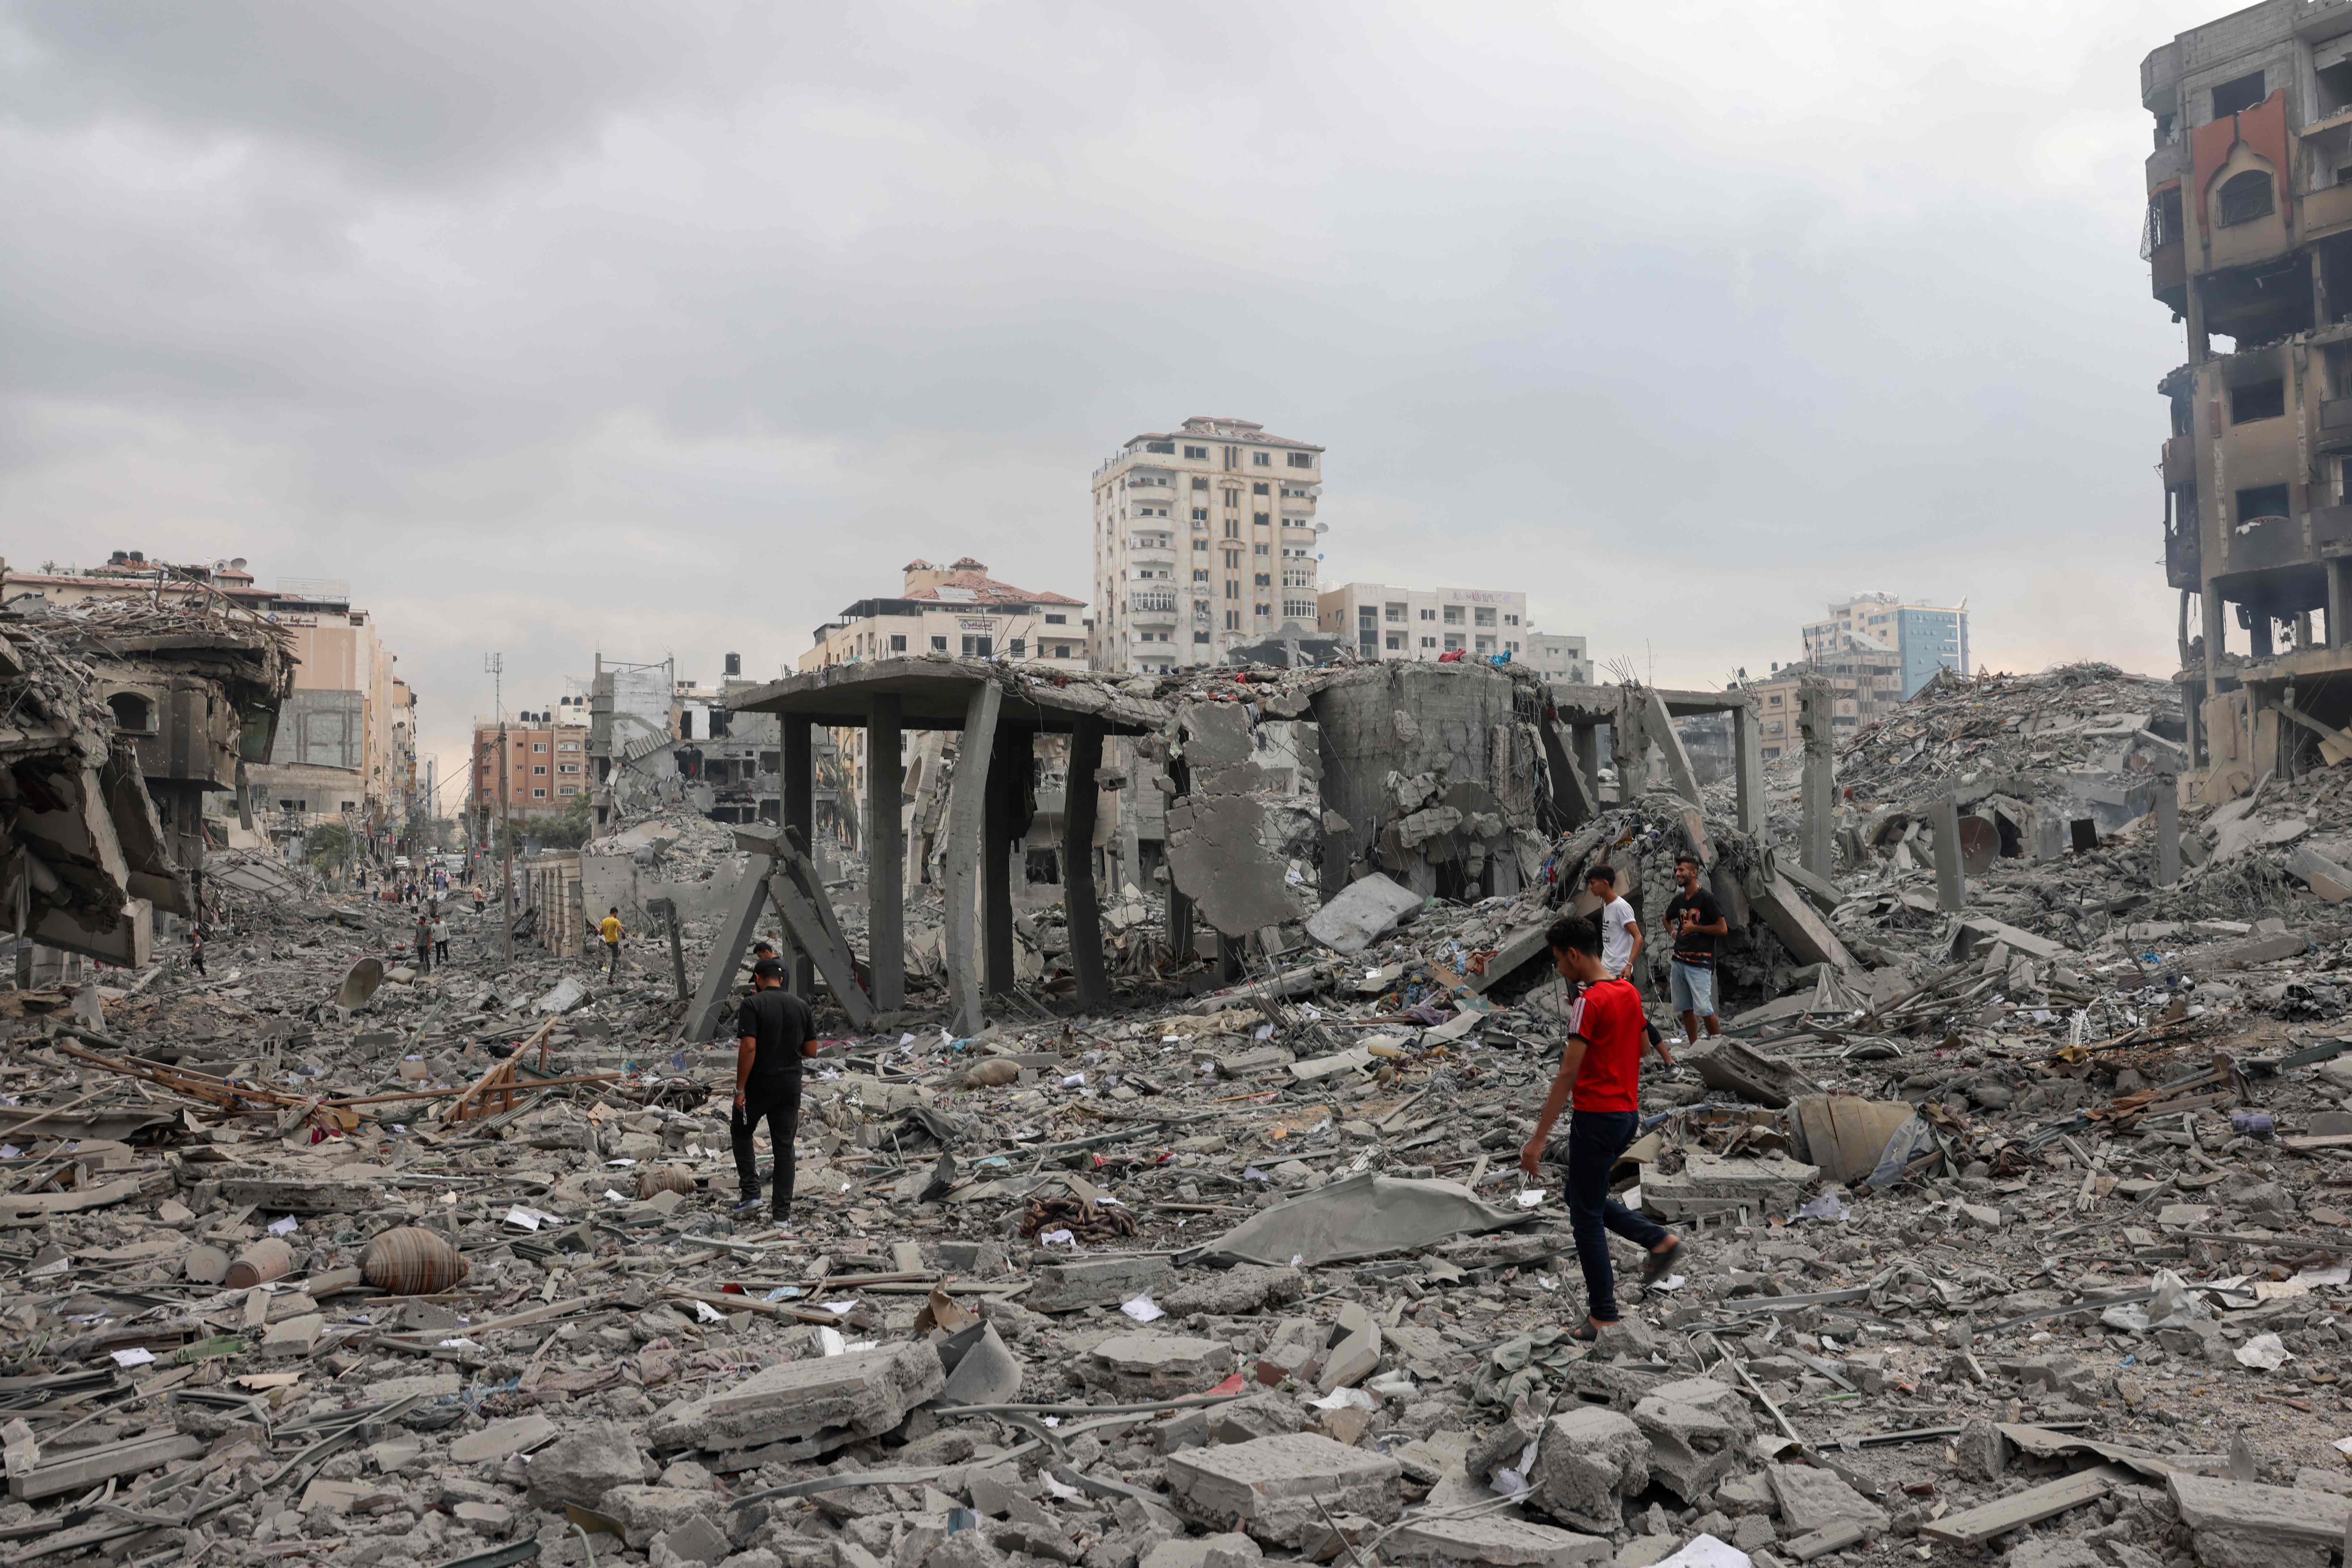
(1974, 1526)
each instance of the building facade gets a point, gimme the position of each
(547, 763)
(2248, 239)
(1391, 623)
(1865, 687)
(955, 609)
(1925, 637)
(1206, 538)
(1557, 656)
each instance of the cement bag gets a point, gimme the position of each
(664, 1178)
(412, 1261)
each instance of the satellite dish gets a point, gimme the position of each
(360, 982)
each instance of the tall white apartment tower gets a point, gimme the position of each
(1205, 539)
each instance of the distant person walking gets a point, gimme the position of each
(609, 928)
(1621, 934)
(1696, 923)
(196, 947)
(440, 937)
(423, 944)
(774, 1029)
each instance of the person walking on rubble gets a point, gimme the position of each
(1621, 934)
(609, 928)
(440, 937)
(774, 1029)
(1696, 923)
(196, 946)
(423, 944)
(1600, 1068)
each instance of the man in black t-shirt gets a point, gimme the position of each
(774, 1030)
(1696, 923)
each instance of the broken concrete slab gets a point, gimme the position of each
(1699, 1428)
(2242, 1524)
(1363, 912)
(1813, 1499)
(808, 1408)
(1276, 1488)
(1716, 1183)
(1493, 1539)
(2326, 879)
(1133, 1367)
(497, 1439)
(1588, 1461)
(1723, 1062)
(585, 1464)
(1098, 1282)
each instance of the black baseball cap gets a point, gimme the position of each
(768, 969)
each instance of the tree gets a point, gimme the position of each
(327, 846)
(568, 829)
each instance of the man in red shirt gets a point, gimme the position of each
(1602, 1063)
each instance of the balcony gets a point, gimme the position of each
(1162, 544)
(2167, 273)
(2182, 558)
(2336, 421)
(2180, 463)
(1152, 606)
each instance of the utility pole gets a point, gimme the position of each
(496, 665)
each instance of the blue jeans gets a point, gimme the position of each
(1595, 1140)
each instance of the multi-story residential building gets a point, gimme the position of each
(335, 751)
(1427, 623)
(1204, 539)
(547, 762)
(2248, 239)
(955, 609)
(1927, 638)
(1865, 684)
(1557, 656)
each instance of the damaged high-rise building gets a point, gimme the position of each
(2249, 242)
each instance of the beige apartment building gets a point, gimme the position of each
(1389, 623)
(955, 609)
(1865, 685)
(1206, 538)
(1557, 656)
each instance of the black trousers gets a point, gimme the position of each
(1595, 1139)
(441, 948)
(779, 1105)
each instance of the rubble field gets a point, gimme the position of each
(2015, 1233)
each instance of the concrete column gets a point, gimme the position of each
(968, 815)
(1659, 725)
(1584, 746)
(1629, 748)
(1819, 787)
(885, 852)
(1571, 790)
(2339, 600)
(800, 812)
(1013, 750)
(1080, 798)
(1748, 765)
(2200, 346)
(1951, 877)
(2168, 830)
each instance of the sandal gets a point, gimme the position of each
(1657, 1266)
(1587, 1332)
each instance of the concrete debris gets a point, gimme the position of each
(2019, 1228)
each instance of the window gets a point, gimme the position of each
(1232, 620)
(1200, 484)
(1428, 615)
(1482, 616)
(1510, 620)
(567, 789)
(1266, 610)
(897, 641)
(979, 646)
(567, 746)
(1233, 528)
(2245, 196)
(1199, 514)
(2260, 399)
(939, 644)
(1453, 615)
(1200, 636)
(1199, 454)
(1057, 621)
(539, 794)
(567, 767)
(1485, 645)
(1233, 588)
(539, 767)
(2244, 93)
(1233, 560)
(1396, 642)
(1265, 580)
(1453, 640)
(1302, 460)
(1200, 574)
(133, 715)
(1429, 642)
(1061, 650)
(1396, 612)
(1261, 519)
(2262, 501)
(1262, 550)
(1167, 446)
(1262, 459)
(1259, 488)
(1018, 647)
(538, 745)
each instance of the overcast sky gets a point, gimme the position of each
(673, 329)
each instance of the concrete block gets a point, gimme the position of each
(1723, 1062)
(2239, 1525)
(1136, 1366)
(1275, 1488)
(496, 1440)
(1231, 1550)
(978, 1259)
(1712, 1184)
(487, 1520)
(1234, 1292)
(1097, 1281)
(1363, 912)
(643, 1513)
(2323, 877)
(1496, 1538)
(1698, 1430)
(1814, 1499)
(1588, 1462)
(698, 1540)
(1355, 1351)
(585, 1464)
(1245, 1420)
(811, 1407)
(295, 1336)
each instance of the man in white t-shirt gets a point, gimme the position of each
(1620, 934)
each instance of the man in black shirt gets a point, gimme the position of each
(1696, 922)
(774, 1029)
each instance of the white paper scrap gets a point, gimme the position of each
(522, 1217)
(284, 1225)
(1144, 1308)
(134, 1357)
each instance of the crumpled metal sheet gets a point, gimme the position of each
(1368, 1216)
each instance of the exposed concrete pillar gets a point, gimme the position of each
(1080, 798)
(2168, 830)
(2199, 345)
(1951, 877)
(968, 815)
(885, 853)
(1747, 767)
(1014, 748)
(1819, 788)
(2339, 600)
(800, 812)
(1629, 747)
(736, 926)
(1571, 789)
